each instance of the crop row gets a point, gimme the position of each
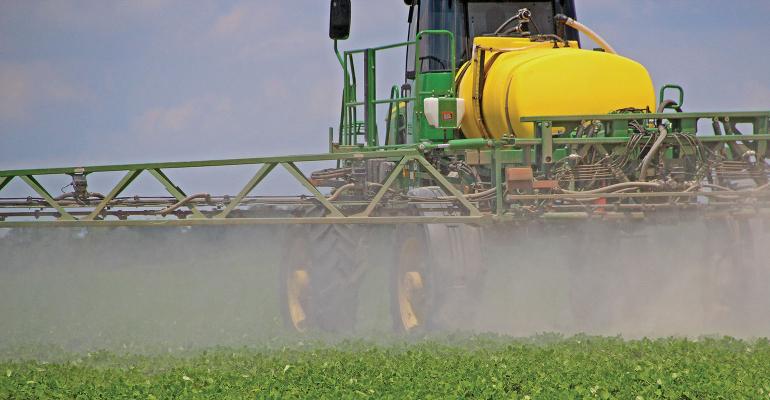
(579, 367)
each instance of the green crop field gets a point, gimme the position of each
(472, 367)
(99, 317)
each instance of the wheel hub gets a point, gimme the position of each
(297, 284)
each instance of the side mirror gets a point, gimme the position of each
(339, 19)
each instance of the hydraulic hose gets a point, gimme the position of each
(666, 104)
(523, 14)
(184, 202)
(340, 190)
(586, 31)
(470, 196)
(616, 187)
(74, 195)
(653, 151)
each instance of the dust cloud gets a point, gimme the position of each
(164, 289)
(126, 289)
(656, 278)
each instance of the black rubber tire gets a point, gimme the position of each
(295, 256)
(405, 236)
(335, 277)
(452, 270)
(331, 255)
(734, 281)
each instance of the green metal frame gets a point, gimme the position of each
(351, 128)
(548, 146)
(34, 184)
(416, 164)
(616, 130)
(91, 214)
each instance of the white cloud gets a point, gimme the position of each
(102, 15)
(229, 23)
(25, 86)
(247, 18)
(252, 31)
(198, 114)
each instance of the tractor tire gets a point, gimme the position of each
(437, 273)
(733, 293)
(320, 277)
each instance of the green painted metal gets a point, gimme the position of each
(333, 211)
(644, 116)
(92, 214)
(250, 185)
(494, 156)
(624, 139)
(463, 219)
(35, 185)
(428, 84)
(724, 139)
(432, 84)
(419, 162)
(461, 144)
(452, 49)
(447, 108)
(544, 130)
(643, 195)
(363, 153)
(385, 187)
(370, 95)
(350, 127)
(394, 100)
(472, 210)
(119, 187)
(174, 190)
(5, 180)
(498, 180)
(678, 88)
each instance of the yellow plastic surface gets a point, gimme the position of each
(535, 79)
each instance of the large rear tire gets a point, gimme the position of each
(294, 281)
(437, 274)
(733, 293)
(320, 278)
(411, 287)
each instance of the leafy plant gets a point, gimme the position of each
(489, 367)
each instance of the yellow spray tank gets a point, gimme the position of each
(526, 78)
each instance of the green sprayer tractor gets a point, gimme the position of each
(505, 132)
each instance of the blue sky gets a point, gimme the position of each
(95, 81)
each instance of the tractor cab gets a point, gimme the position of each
(467, 19)
(427, 107)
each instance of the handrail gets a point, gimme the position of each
(349, 123)
(669, 116)
(384, 47)
(384, 101)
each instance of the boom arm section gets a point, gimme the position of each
(610, 166)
